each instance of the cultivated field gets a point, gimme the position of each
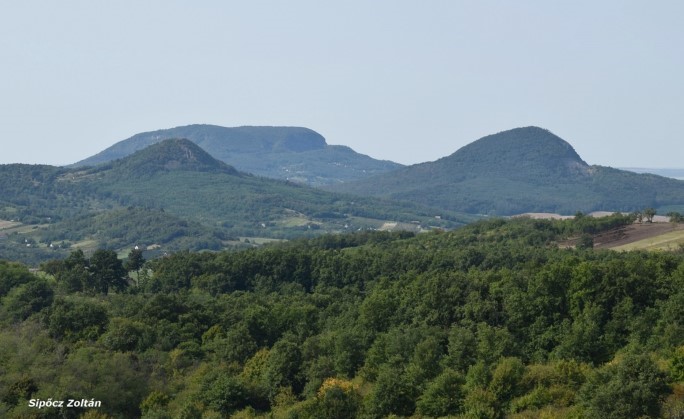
(647, 236)
(4, 225)
(658, 235)
(662, 238)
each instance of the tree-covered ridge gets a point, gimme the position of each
(517, 171)
(520, 153)
(492, 320)
(168, 155)
(288, 153)
(175, 195)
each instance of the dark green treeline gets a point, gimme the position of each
(491, 321)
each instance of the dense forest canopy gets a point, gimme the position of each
(489, 321)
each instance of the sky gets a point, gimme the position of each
(408, 81)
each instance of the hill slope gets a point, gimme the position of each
(169, 155)
(175, 195)
(288, 153)
(521, 170)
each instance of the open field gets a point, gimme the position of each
(667, 241)
(9, 227)
(659, 235)
(258, 240)
(4, 225)
(655, 236)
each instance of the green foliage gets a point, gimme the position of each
(677, 365)
(127, 335)
(107, 272)
(154, 402)
(493, 320)
(76, 319)
(675, 217)
(283, 367)
(627, 388)
(506, 377)
(135, 260)
(12, 274)
(481, 404)
(443, 396)
(391, 394)
(98, 274)
(28, 299)
(224, 393)
(336, 399)
(586, 241)
(20, 389)
(101, 375)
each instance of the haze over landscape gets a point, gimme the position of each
(366, 210)
(395, 80)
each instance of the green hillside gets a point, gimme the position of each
(288, 153)
(169, 155)
(173, 195)
(521, 170)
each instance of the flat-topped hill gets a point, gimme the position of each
(289, 153)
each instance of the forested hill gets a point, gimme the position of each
(288, 153)
(172, 154)
(521, 170)
(493, 320)
(173, 195)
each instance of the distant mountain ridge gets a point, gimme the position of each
(667, 172)
(289, 153)
(521, 170)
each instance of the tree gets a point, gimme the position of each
(28, 298)
(392, 393)
(586, 241)
(675, 217)
(336, 399)
(649, 213)
(76, 258)
(224, 393)
(506, 377)
(639, 217)
(630, 388)
(443, 396)
(107, 271)
(11, 275)
(135, 261)
(124, 334)
(72, 273)
(282, 367)
(75, 320)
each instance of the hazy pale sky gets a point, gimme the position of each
(408, 81)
